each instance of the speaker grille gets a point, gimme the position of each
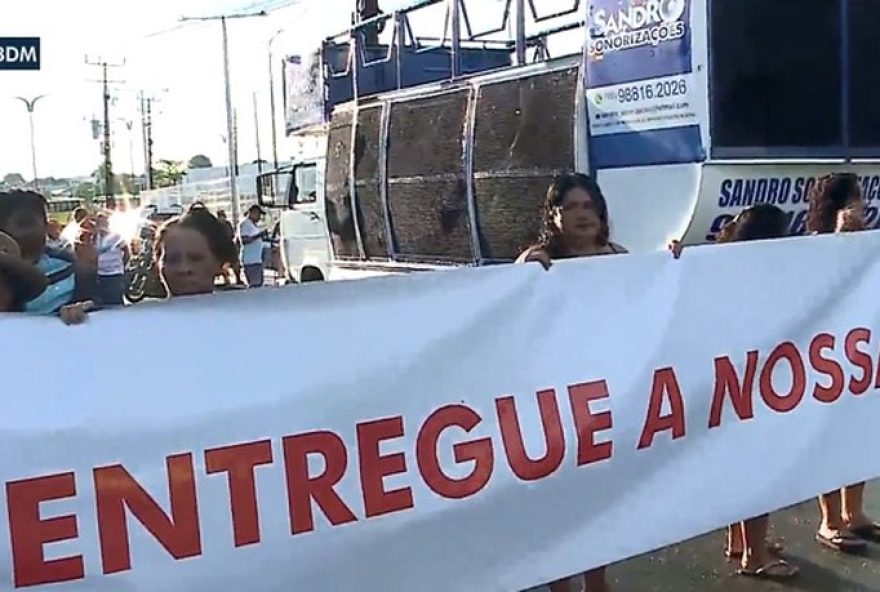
(523, 137)
(426, 178)
(340, 220)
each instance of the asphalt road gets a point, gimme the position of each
(699, 565)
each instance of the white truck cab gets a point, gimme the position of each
(298, 191)
(434, 154)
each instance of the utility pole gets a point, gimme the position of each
(30, 105)
(147, 133)
(257, 133)
(109, 200)
(148, 152)
(233, 184)
(146, 111)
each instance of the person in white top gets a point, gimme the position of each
(251, 237)
(113, 254)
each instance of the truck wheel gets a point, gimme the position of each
(135, 291)
(311, 274)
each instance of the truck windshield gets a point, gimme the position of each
(794, 77)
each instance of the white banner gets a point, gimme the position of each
(482, 429)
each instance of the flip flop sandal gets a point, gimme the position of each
(777, 570)
(775, 549)
(868, 532)
(845, 543)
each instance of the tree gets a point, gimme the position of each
(101, 181)
(86, 191)
(168, 173)
(13, 180)
(199, 161)
(130, 184)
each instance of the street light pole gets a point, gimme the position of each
(233, 186)
(233, 183)
(257, 134)
(30, 105)
(272, 98)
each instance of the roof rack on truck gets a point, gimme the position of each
(439, 133)
(390, 52)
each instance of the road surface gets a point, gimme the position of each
(699, 565)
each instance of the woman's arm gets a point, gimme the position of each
(536, 253)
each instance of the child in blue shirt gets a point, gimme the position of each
(24, 216)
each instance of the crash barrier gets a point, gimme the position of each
(477, 429)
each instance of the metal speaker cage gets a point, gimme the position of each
(456, 177)
(523, 137)
(340, 218)
(371, 217)
(427, 183)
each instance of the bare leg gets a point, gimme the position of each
(852, 508)
(560, 586)
(757, 559)
(754, 536)
(595, 580)
(734, 540)
(833, 531)
(830, 505)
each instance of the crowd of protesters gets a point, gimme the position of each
(85, 269)
(40, 273)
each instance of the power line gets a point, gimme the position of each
(270, 5)
(176, 27)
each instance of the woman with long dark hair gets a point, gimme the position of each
(747, 540)
(574, 224)
(837, 205)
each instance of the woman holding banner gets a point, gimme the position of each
(747, 540)
(575, 224)
(191, 250)
(837, 205)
